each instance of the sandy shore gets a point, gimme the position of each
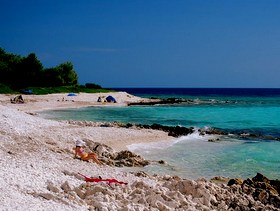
(36, 150)
(117, 138)
(38, 171)
(35, 103)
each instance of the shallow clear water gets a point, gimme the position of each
(193, 156)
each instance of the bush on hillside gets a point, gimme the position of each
(93, 86)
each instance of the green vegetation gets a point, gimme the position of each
(5, 89)
(27, 73)
(64, 89)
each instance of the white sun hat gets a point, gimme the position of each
(80, 143)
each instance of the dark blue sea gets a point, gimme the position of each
(253, 113)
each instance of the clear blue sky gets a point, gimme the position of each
(150, 43)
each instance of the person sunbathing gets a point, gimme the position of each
(81, 153)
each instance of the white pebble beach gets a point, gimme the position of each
(36, 153)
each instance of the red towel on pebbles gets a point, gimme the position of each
(109, 181)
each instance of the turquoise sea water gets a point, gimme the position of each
(238, 111)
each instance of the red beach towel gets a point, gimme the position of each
(88, 179)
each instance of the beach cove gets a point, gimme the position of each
(38, 171)
(245, 123)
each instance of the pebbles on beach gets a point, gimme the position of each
(38, 172)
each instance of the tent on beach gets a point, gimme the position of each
(110, 99)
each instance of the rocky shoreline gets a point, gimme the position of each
(170, 193)
(157, 101)
(38, 171)
(177, 131)
(175, 101)
(257, 193)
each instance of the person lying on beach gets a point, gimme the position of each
(17, 99)
(81, 153)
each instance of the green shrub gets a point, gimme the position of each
(65, 89)
(93, 86)
(5, 89)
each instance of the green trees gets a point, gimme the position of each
(29, 71)
(67, 74)
(92, 86)
(20, 72)
(9, 66)
(61, 75)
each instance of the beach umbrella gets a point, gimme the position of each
(27, 91)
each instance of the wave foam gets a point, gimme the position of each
(195, 136)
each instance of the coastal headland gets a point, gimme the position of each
(38, 170)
